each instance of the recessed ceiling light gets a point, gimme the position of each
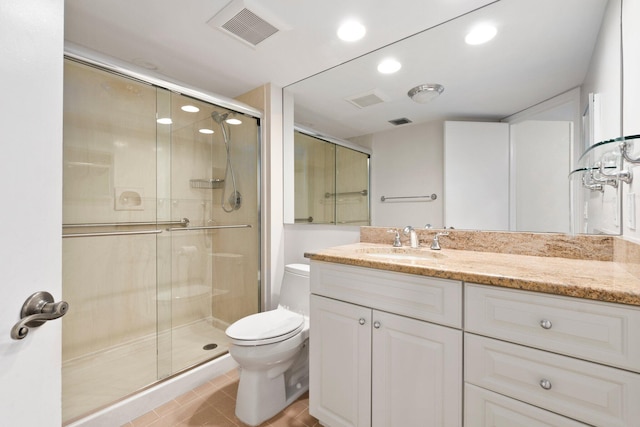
(206, 131)
(165, 121)
(190, 108)
(389, 66)
(234, 121)
(481, 34)
(351, 31)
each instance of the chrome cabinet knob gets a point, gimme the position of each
(546, 324)
(545, 384)
(361, 321)
(376, 324)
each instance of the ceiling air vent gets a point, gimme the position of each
(367, 99)
(401, 121)
(243, 23)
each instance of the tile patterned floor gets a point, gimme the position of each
(213, 404)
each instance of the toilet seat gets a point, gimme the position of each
(265, 328)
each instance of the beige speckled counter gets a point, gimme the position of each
(598, 280)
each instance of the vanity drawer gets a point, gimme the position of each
(484, 408)
(419, 297)
(601, 332)
(595, 394)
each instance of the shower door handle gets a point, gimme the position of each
(36, 310)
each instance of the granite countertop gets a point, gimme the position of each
(597, 280)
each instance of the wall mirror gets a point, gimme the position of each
(331, 182)
(547, 58)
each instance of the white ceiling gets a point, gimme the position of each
(537, 39)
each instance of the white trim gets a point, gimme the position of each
(572, 95)
(83, 54)
(341, 142)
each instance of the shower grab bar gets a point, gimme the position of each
(431, 197)
(210, 227)
(184, 222)
(346, 193)
(111, 233)
(308, 219)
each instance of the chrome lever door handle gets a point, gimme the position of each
(36, 310)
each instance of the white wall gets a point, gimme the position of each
(407, 161)
(301, 238)
(631, 43)
(603, 79)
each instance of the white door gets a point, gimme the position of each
(31, 54)
(540, 148)
(476, 175)
(340, 363)
(416, 373)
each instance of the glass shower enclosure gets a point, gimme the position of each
(161, 233)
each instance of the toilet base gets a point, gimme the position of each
(261, 397)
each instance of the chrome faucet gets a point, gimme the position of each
(435, 244)
(396, 241)
(409, 231)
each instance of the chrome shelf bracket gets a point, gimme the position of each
(625, 147)
(625, 176)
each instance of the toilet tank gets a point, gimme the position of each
(295, 289)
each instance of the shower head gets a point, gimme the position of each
(229, 118)
(219, 118)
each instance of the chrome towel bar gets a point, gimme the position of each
(157, 231)
(347, 193)
(210, 227)
(184, 222)
(111, 233)
(429, 198)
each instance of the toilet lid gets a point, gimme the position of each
(267, 327)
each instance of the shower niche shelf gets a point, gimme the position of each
(206, 184)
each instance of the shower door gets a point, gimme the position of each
(161, 233)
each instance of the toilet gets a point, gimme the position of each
(272, 350)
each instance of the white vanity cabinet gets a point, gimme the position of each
(379, 353)
(549, 360)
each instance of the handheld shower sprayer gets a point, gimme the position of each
(235, 199)
(219, 118)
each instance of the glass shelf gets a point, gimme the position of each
(605, 143)
(586, 169)
(586, 156)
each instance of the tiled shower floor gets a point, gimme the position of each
(94, 381)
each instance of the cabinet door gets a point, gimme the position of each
(417, 373)
(340, 363)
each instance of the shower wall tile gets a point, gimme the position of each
(109, 143)
(110, 285)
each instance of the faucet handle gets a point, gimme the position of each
(396, 241)
(435, 244)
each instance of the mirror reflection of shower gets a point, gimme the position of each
(235, 199)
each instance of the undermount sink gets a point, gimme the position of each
(401, 254)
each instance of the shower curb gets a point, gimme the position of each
(139, 404)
